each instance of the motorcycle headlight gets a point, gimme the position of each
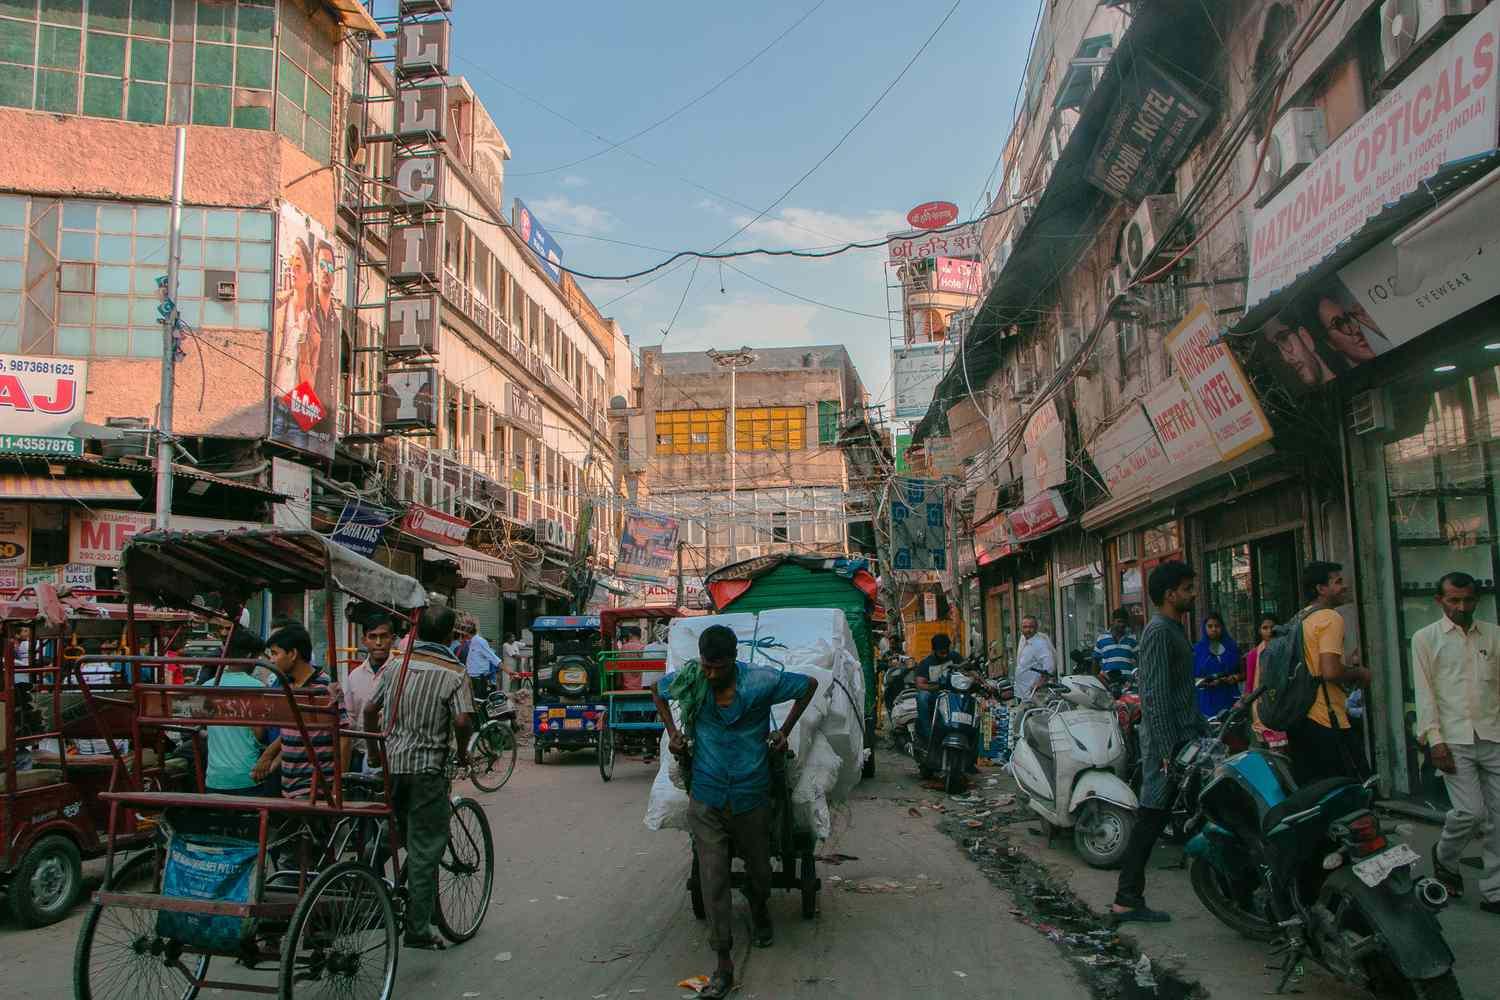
(961, 682)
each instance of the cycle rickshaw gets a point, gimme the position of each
(626, 668)
(290, 890)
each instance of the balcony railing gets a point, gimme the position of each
(479, 312)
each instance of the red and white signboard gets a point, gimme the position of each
(960, 242)
(1218, 384)
(97, 538)
(1181, 428)
(39, 396)
(1044, 462)
(1128, 454)
(1445, 111)
(961, 276)
(1037, 517)
(434, 526)
(932, 215)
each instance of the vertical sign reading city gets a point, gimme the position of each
(413, 309)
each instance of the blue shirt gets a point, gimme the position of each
(481, 660)
(730, 769)
(1116, 654)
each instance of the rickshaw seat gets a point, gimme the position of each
(99, 761)
(34, 778)
(156, 801)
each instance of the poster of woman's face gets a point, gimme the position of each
(1318, 337)
(305, 336)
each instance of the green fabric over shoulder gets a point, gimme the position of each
(690, 690)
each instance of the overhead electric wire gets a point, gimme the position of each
(696, 100)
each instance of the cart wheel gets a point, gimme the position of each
(809, 879)
(466, 873)
(47, 882)
(695, 889)
(119, 954)
(540, 752)
(343, 939)
(492, 755)
(607, 753)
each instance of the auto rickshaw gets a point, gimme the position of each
(634, 657)
(566, 711)
(63, 739)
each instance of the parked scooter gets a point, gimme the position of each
(953, 737)
(1070, 760)
(1310, 868)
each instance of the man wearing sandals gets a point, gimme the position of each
(726, 709)
(435, 704)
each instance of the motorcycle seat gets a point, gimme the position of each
(1302, 798)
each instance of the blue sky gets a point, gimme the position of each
(614, 68)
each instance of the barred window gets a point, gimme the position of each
(690, 432)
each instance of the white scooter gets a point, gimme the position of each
(1070, 761)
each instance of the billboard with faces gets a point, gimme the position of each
(305, 335)
(1322, 334)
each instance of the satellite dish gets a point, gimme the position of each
(617, 403)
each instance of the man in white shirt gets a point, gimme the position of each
(359, 686)
(1036, 663)
(1456, 673)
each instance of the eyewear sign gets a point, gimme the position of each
(1152, 128)
(1444, 112)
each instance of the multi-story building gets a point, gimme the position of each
(757, 474)
(1205, 330)
(283, 376)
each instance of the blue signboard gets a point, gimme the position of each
(547, 250)
(359, 527)
(548, 623)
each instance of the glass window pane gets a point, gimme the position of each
(217, 313)
(80, 215)
(18, 42)
(253, 68)
(114, 343)
(255, 256)
(255, 226)
(292, 83)
(78, 309)
(257, 26)
(215, 22)
(252, 316)
(192, 253)
(192, 222)
(57, 91)
(115, 280)
(12, 210)
(213, 63)
(114, 249)
(146, 103)
(253, 286)
(252, 117)
(110, 15)
(106, 54)
(112, 310)
(319, 105)
(16, 85)
(189, 283)
(222, 222)
(77, 246)
(74, 340)
(58, 47)
(103, 96)
(151, 250)
(148, 60)
(210, 105)
(10, 274)
(143, 310)
(10, 307)
(151, 17)
(316, 142)
(146, 343)
(151, 220)
(218, 253)
(116, 219)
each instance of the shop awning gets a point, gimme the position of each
(96, 488)
(553, 589)
(473, 564)
(1114, 510)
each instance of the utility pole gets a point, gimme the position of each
(680, 587)
(164, 442)
(734, 361)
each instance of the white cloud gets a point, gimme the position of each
(561, 212)
(801, 227)
(744, 320)
(574, 181)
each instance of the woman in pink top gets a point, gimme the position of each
(1271, 737)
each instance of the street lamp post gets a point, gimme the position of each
(734, 361)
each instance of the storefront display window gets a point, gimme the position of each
(1250, 580)
(999, 624)
(1034, 599)
(1442, 488)
(973, 619)
(1136, 554)
(1083, 613)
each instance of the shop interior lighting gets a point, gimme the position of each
(1445, 369)
(1492, 347)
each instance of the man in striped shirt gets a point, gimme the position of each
(1116, 650)
(289, 649)
(1169, 718)
(434, 703)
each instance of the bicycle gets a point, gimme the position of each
(492, 747)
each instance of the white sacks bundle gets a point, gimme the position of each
(828, 742)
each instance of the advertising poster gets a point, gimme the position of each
(40, 400)
(919, 537)
(305, 335)
(1128, 455)
(15, 534)
(1218, 384)
(648, 548)
(97, 538)
(915, 373)
(359, 527)
(1044, 463)
(548, 251)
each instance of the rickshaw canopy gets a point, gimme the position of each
(170, 568)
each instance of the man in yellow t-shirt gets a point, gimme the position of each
(1325, 744)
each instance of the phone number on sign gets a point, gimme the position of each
(39, 445)
(28, 366)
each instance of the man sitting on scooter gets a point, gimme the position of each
(927, 677)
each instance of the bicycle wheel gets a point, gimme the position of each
(466, 873)
(119, 953)
(343, 940)
(492, 756)
(607, 753)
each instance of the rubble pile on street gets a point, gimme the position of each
(982, 823)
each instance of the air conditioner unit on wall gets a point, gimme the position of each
(1369, 412)
(1144, 231)
(1409, 27)
(1299, 136)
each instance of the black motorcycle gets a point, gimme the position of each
(1310, 869)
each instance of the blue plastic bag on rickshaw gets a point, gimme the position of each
(207, 867)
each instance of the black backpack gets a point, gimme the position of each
(1290, 688)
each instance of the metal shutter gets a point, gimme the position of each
(481, 598)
